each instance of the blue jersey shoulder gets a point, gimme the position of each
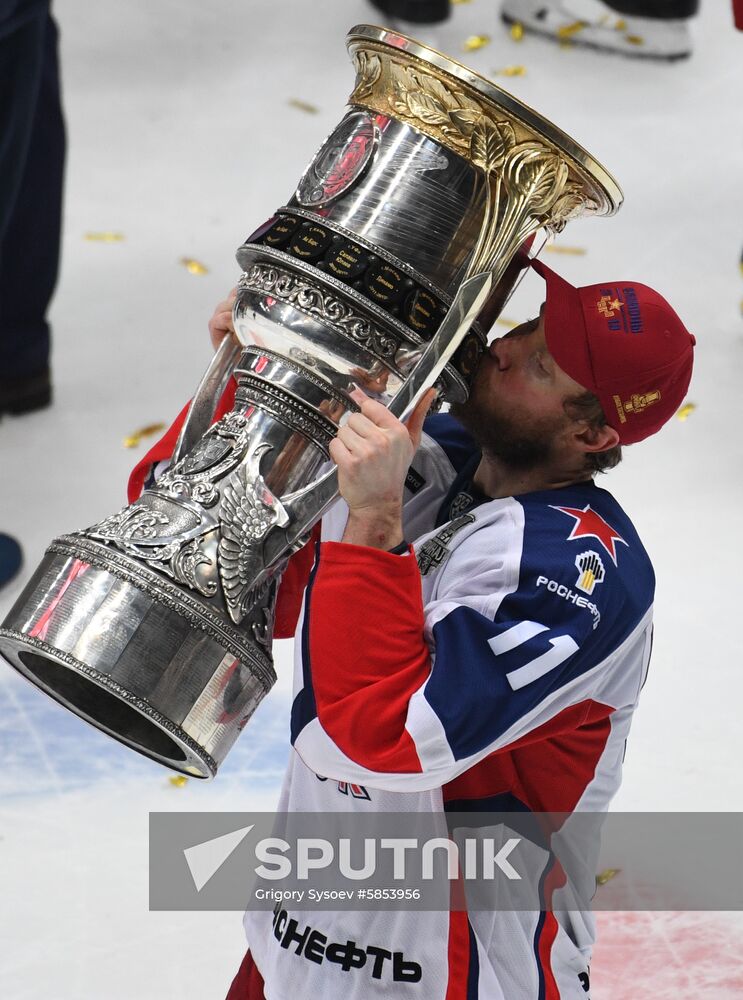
(457, 443)
(582, 556)
(585, 583)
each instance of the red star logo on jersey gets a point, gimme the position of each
(589, 524)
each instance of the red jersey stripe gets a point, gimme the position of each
(459, 954)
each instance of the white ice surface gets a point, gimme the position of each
(181, 137)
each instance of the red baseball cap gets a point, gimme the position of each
(623, 342)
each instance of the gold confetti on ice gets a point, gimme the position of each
(475, 42)
(559, 248)
(517, 31)
(133, 439)
(178, 780)
(568, 30)
(505, 321)
(686, 410)
(461, 1)
(105, 237)
(510, 71)
(634, 39)
(309, 109)
(607, 875)
(194, 266)
(620, 25)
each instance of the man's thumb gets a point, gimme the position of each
(414, 423)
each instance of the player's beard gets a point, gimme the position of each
(519, 440)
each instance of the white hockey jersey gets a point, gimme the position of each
(495, 666)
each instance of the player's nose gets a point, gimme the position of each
(503, 351)
(494, 350)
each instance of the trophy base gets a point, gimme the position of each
(114, 648)
(95, 698)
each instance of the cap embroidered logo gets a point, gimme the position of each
(637, 402)
(608, 306)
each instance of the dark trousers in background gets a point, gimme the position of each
(415, 11)
(32, 152)
(671, 9)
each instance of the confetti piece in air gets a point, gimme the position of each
(194, 266)
(178, 780)
(510, 71)
(105, 237)
(475, 42)
(568, 30)
(607, 875)
(686, 410)
(309, 109)
(505, 321)
(572, 251)
(517, 31)
(133, 439)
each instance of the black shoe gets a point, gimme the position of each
(414, 11)
(10, 558)
(25, 393)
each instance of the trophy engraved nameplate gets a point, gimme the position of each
(398, 247)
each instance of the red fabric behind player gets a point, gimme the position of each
(248, 983)
(163, 449)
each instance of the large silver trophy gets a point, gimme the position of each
(155, 624)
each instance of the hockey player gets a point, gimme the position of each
(473, 640)
(649, 29)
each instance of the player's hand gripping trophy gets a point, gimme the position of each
(155, 624)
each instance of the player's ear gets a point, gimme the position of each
(591, 438)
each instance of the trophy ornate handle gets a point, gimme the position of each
(206, 397)
(469, 300)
